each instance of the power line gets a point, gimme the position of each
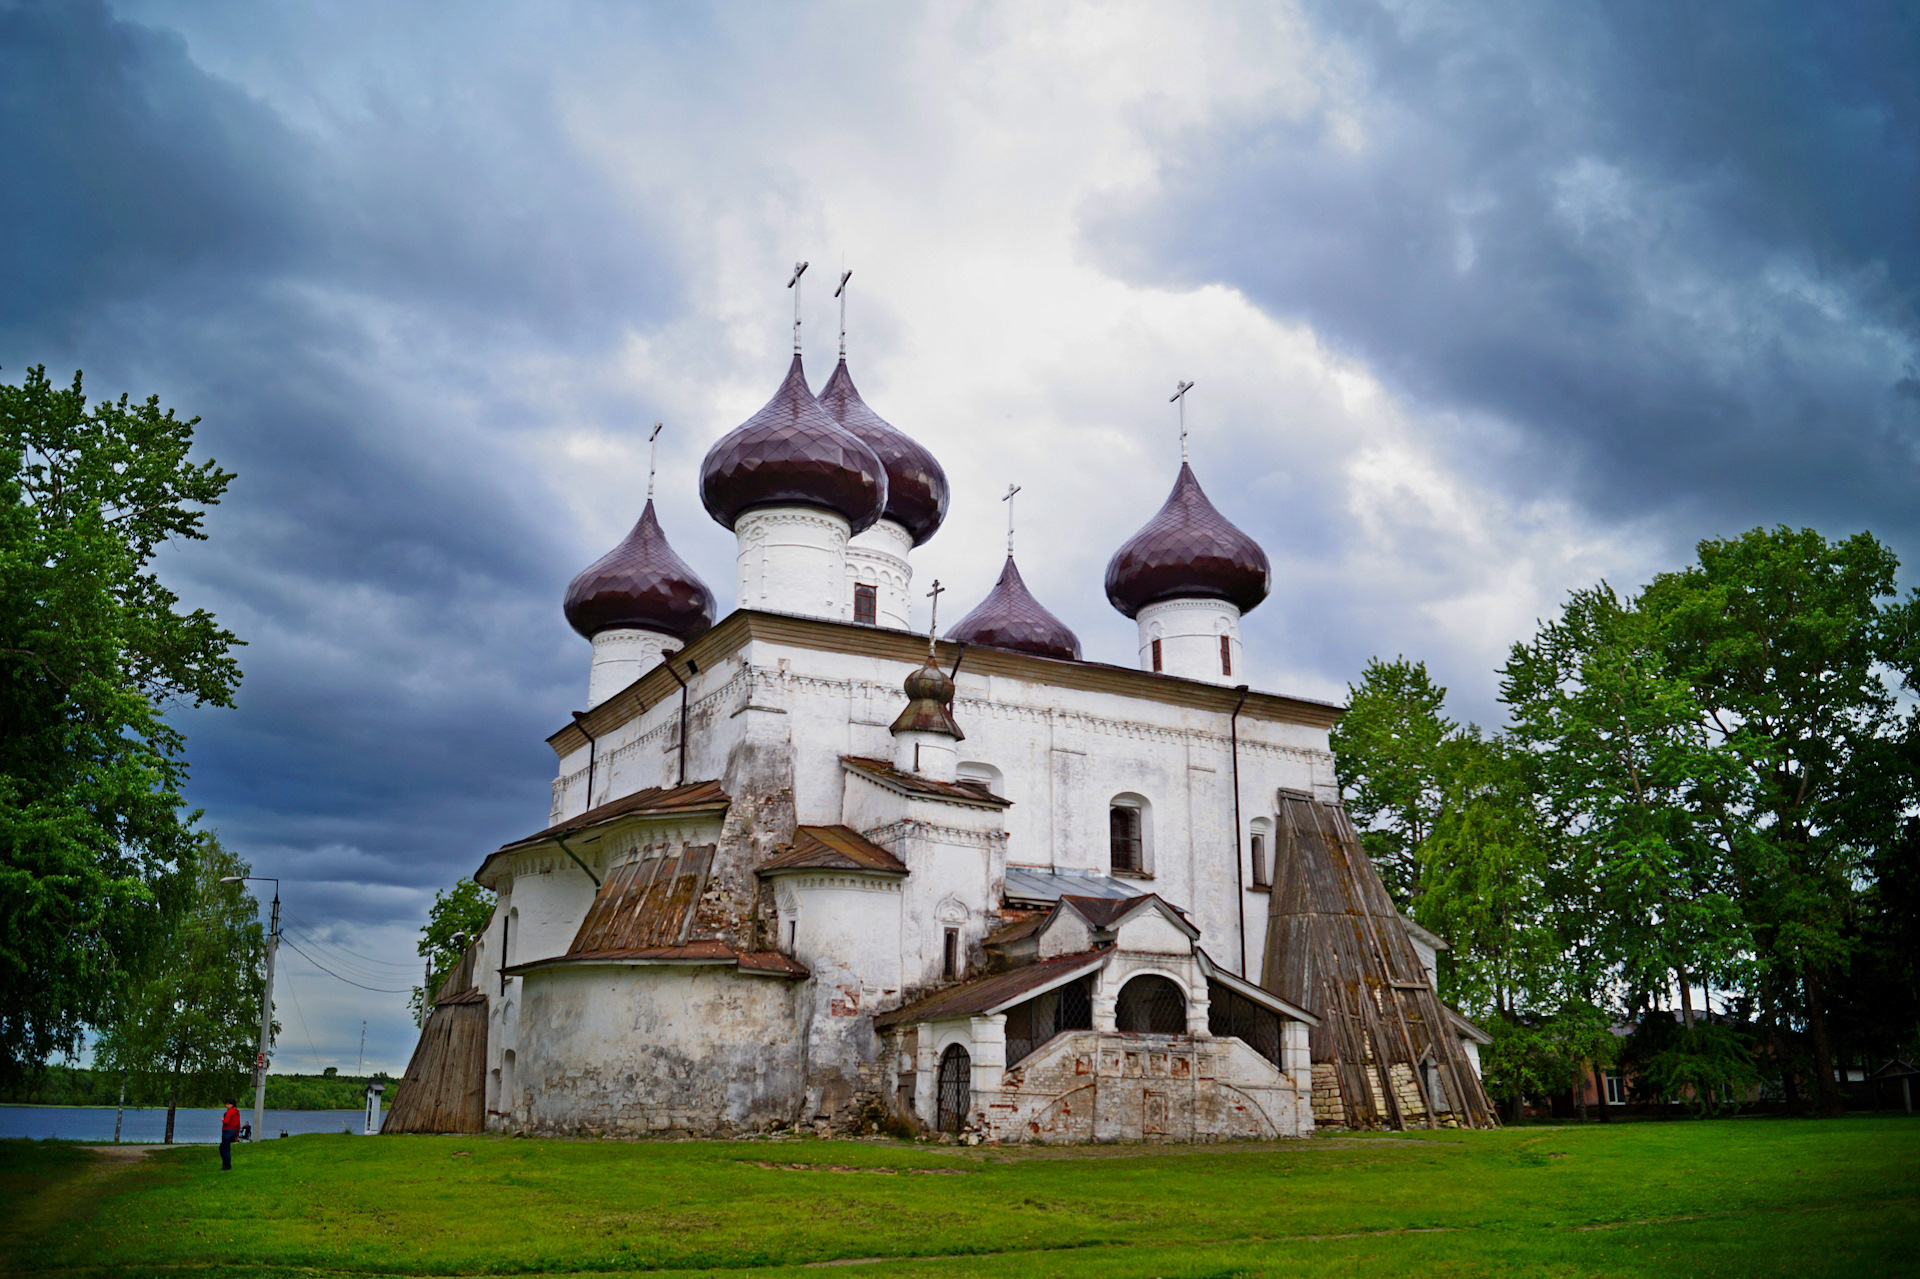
(304, 1028)
(313, 931)
(379, 990)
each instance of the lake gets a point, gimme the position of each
(190, 1127)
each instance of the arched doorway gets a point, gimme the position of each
(1151, 1005)
(956, 1089)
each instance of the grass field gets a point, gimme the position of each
(1735, 1197)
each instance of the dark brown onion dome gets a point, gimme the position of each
(929, 704)
(916, 486)
(792, 453)
(1188, 551)
(1011, 618)
(640, 582)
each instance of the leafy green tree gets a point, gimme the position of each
(1782, 638)
(191, 1021)
(1621, 755)
(1706, 1066)
(1387, 758)
(1538, 1056)
(458, 915)
(92, 647)
(1484, 874)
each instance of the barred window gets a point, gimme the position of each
(866, 604)
(1231, 1014)
(1123, 824)
(1033, 1023)
(1156, 655)
(1226, 656)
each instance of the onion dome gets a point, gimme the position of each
(1188, 551)
(1011, 618)
(916, 486)
(929, 704)
(792, 453)
(640, 582)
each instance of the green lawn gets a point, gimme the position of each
(1735, 1197)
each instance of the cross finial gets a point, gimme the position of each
(841, 293)
(653, 458)
(1179, 397)
(1008, 499)
(799, 269)
(933, 616)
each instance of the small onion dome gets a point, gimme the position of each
(792, 453)
(916, 486)
(1188, 551)
(1011, 618)
(640, 582)
(929, 704)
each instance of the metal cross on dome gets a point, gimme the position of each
(1179, 397)
(653, 457)
(933, 618)
(841, 293)
(1008, 499)
(799, 269)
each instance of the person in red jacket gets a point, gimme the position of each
(229, 1131)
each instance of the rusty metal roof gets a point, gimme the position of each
(1041, 886)
(832, 848)
(989, 994)
(694, 797)
(645, 904)
(693, 953)
(887, 775)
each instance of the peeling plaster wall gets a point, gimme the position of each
(634, 1050)
(1086, 1086)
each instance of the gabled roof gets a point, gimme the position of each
(1247, 990)
(1466, 1029)
(992, 994)
(832, 848)
(655, 801)
(1107, 914)
(885, 774)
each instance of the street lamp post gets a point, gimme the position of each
(266, 1007)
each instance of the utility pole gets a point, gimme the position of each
(361, 1069)
(266, 1008)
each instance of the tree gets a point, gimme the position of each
(458, 915)
(1621, 757)
(1781, 637)
(191, 1020)
(1387, 759)
(92, 646)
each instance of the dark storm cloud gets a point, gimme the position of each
(1677, 247)
(331, 299)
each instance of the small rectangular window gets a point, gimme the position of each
(866, 604)
(950, 959)
(1616, 1089)
(1226, 656)
(1123, 825)
(793, 934)
(1156, 655)
(1260, 861)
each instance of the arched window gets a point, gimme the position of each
(1130, 835)
(1260, 853)
(985, 776)
(956, 1089)
(1151, 1005)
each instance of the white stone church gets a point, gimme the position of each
(805, 867)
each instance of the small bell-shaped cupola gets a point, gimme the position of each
(925, 738)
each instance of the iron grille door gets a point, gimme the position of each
(956, 1089)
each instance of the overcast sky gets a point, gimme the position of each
(1485, 302)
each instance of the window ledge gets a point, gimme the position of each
(1131, 874)
(1259, 888)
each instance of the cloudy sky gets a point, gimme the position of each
(1485, 301)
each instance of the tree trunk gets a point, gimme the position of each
(1686, 998)
(1600, 1089)
(1789, 1077)
(173, 1094)
(1830, 1103)
(119, 1114)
